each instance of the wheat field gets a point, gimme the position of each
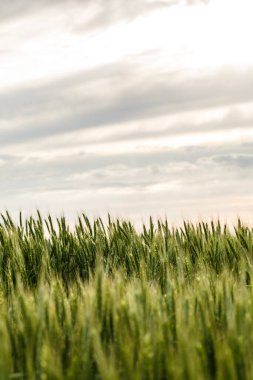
(105, 301)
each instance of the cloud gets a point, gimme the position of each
(174, 169)
(104, 13)
(193, 2)
(120, 93)
(102, 138)
(114, 9)
(243, 161)
(175, 181)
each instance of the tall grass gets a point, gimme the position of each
(105, 301)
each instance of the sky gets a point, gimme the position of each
(134, 108)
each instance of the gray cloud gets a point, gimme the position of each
(118, 93)
(181, 180)
(105, 13)
(243, 161)
(230, 121)
(19, 8)
(207, 165)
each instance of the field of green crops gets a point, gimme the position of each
(105, 301)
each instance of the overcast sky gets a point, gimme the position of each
(131, 107)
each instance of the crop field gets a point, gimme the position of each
(105, 301)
